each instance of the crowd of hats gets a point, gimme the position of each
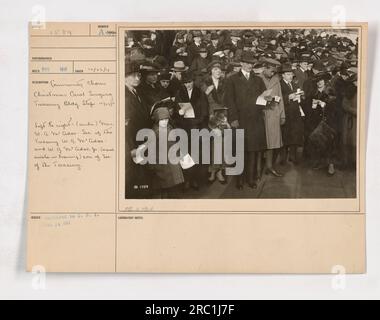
(322, 50)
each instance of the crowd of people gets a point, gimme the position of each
(293, 92)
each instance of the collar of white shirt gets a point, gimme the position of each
(246, 74)
(131, 89)
(289, 83)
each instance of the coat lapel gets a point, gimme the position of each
(195, 96)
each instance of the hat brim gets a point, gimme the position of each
(180, 70)
(150, 70)
(248, 61)
(214, 65)
(286, 70)
(322, 76)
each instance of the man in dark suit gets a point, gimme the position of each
(149, 89)
(242, 91)
(137, 117)
(293, 130)
(188, 92)
(214, 86)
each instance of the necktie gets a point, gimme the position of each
(290, 85)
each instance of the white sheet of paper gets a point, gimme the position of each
(302, 113)
(297, 99)
(187, 162)
(139, 154)
(187, 110)
(261, 101)
(189, 114)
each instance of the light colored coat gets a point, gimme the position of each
(274, 114)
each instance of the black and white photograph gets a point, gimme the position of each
(277, 105)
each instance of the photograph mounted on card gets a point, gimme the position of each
(272, 93)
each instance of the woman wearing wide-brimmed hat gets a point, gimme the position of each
(322, 120)
(242, 92)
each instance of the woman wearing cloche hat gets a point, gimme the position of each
(167, 177)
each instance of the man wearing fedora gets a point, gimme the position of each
(302, 72)
(164, 78)
(214, 88)
(274, 115)
(194, 47)
(199, 65)
(189, 93)
(293, 129)
(242, 91)
(179, 50)
(178, 69)
(215, 45)
(323, 109)
(137, 117)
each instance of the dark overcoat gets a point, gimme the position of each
(293, 129)
(168, 175)
(301, 77)
(199, 102)
(150, 94)
(315, 116)
(137, 117)
(240, 98)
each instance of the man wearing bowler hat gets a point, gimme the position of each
(302, 72)
(195, 45)
(164, 82)
(242, 92)
(178, 69)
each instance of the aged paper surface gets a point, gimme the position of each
(79, 219)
